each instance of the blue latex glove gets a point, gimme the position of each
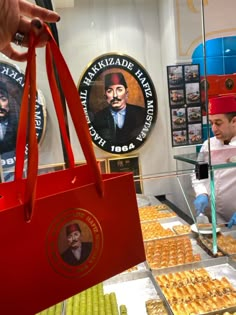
(200, 203)
(232, 221)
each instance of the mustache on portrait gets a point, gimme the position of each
(74, 242)
(3, 111)
(115, 99)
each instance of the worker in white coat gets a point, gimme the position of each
(222, 117)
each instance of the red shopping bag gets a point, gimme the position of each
(68, 230)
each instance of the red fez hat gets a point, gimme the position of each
(72, 228)
(114, 79)
(222, 104)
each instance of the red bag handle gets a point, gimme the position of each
(27, 118)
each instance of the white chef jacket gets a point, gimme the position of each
(224, 179)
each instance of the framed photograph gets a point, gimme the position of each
(175, 76)
(11, 89)
(192, 92)
(191, 73)
(127, 164)
(185, 107)
(195, 133)
(194, 114)
(103, 164)
(179, 137)
(49, 168)
(179, 118)
(176, 97)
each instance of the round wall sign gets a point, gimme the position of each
(11, 90)
(119, 102)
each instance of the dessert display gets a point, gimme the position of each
(94, 301)
(195, 292)
(148, 213)
(168, 243)
(206, 243)
(151, 212)
(170, 252)
(152, 230)
(53, 310)
(161, 207)
(155, 307)
(182, 229)
(227, 244)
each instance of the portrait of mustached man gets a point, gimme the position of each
(8, 122)
(119, 122)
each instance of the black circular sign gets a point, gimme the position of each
(11, 89)
(119, 102)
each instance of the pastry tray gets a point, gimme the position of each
(231, 233)
(195, 247)
(133, 290)
(170, 222)
(217, 268)
(207, 243)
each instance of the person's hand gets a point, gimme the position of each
(20, 17)
(232, 221)
(200, 203)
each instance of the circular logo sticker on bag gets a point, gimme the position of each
(119, 102)
(74, 243)
(11, 90)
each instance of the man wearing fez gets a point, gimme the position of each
(119, 122)
(8, 122)
(78, 251)
(222, 117)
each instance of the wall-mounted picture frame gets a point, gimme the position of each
(120, 124)
(185, 106)
(127, 164)
(11, 89)
(103, 164)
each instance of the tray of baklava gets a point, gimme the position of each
(155, 212)
(168, 227)
(173, 251)
(226, 242)
(138, 291)
(177, 225)
(204, 287)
